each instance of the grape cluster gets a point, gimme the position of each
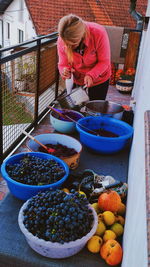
(32, 170)
(58, 217)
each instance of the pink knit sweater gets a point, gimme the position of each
(95, 61)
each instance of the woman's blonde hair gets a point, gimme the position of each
(71, 28)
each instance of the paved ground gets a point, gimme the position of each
(117, 97)
(113, 95)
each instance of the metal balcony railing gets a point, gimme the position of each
(29, 82)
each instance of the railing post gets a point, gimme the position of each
(1, 115)
(37, 82)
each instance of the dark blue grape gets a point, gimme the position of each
(35, 171)
(65, 220)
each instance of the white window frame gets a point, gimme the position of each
(8, 31)
(20, 36)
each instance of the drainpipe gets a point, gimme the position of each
(136, 15)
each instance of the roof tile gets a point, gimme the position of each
(46, 14)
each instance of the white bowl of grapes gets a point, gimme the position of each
(61, 224)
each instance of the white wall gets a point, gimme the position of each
(115, 37)
(135, 236)
(18, 20)
(1, 24)
(148, 9)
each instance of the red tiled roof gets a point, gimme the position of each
(46, 14)
(119, 11)
(100, 14)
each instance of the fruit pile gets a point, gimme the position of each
(58, 217)
(44, 171)
(107, 237)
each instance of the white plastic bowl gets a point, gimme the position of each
(55, 250)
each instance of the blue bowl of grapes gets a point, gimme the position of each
(30, 172)
(68, 222)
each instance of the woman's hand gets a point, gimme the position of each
(66, 73)
(88, 81)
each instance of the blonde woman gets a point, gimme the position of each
(84, 50)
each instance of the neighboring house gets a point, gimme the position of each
(15, 23)
(46, 14)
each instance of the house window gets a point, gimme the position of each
(20, 36)
(7, 30)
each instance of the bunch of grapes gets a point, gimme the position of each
(32, 170)
(58, 217)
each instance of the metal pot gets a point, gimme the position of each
(104, 108)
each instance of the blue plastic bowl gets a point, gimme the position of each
(24, 191)
(100, 144)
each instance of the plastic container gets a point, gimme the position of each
(101, 144)
(24, 191)
(63, 126)
(69, 84)
(55, 250)
(54, 138)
